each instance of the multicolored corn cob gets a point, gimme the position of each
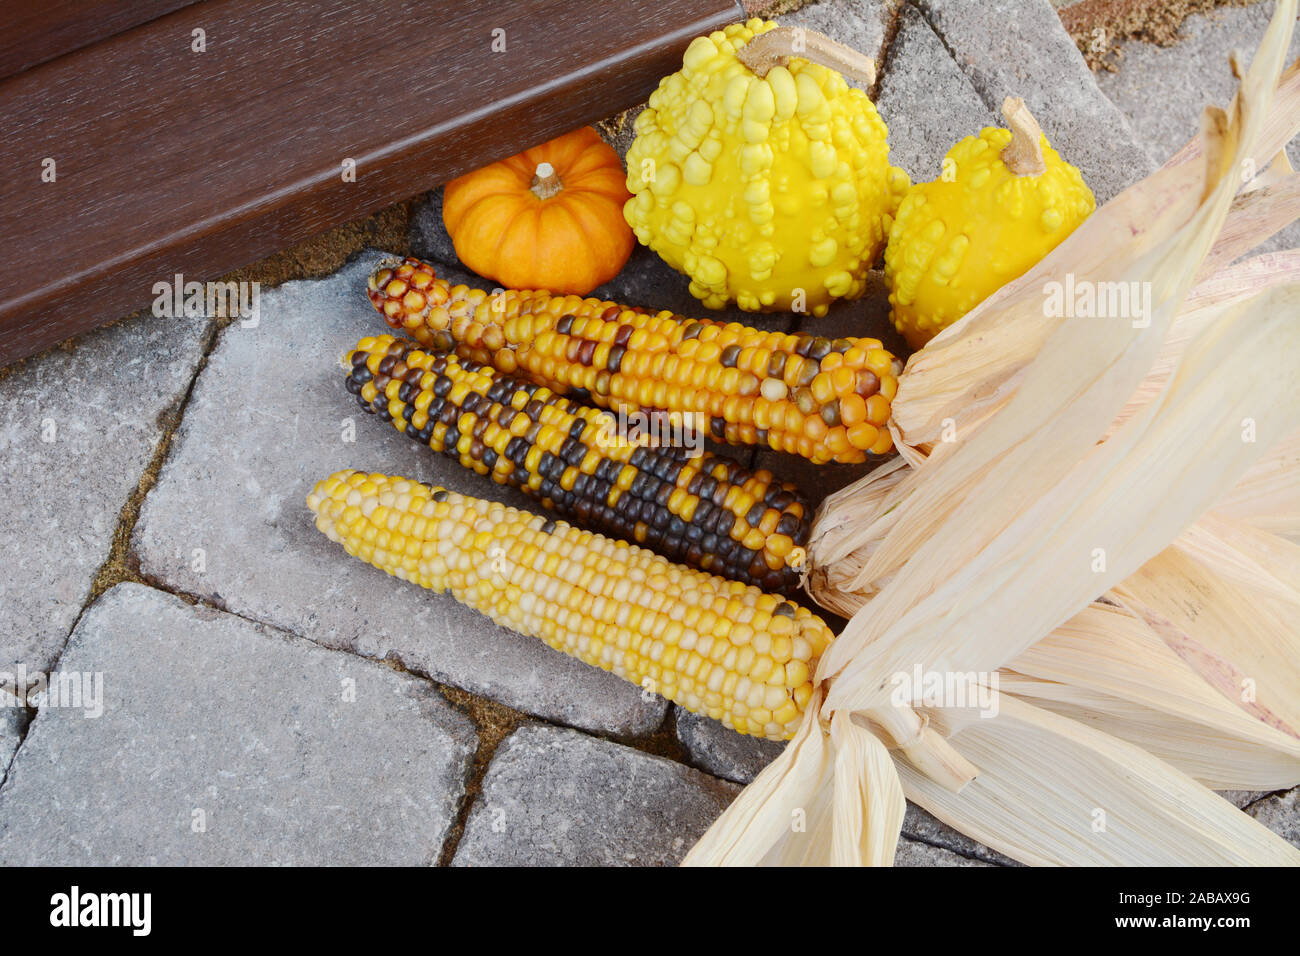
(717, 647)
(703, 510)
(824, 399)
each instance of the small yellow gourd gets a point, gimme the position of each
(1005, 199)
(763, 175)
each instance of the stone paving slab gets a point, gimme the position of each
(225, 743)
(228, 519)
(555, 797)
(921, 826)
(1280, 812)
(721, 751)
(1020, 48)
(78, 427)
(920, 70)
(915, 853)
(1164, 90)
(429, 237)
(1241, 799)
(861, 24)
(13, 721)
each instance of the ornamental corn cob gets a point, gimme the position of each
(717, 647)
(824, 399)
(706, 511)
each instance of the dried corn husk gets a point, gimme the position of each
(828, 799)
(1268, 496)
(1074, 436)
(1107, 668)
(1243, 644)
(1053, 791)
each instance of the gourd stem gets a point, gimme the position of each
(1024, 154)
(777, 46)
(545, 182)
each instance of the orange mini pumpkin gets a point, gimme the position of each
(550, 218)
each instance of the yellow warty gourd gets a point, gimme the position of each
(769, 185)
(1005, 199)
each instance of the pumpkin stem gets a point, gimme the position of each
(778, 45)
(545, 182)
(1024, 154)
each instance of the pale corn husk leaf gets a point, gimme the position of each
(1001, 593)
(1206, 303)
(1046, 781)
(1107, 661)
(1268, 496)
(830, 798)
(1246, 645)
(1247, 557)
(1277, 172)
(854, 520)
(868, 800)
(1217, 759)
(1254, 218)
(1240, 280)
(1106, 668)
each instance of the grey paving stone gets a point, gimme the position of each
(1163, 90)
(861, 24)
(721, 751)
(1280, 812)
(1020, 48)
(921, 826)
(926, 100)
(78, 427)
(1242, 798)
(13, 721)
(222, 742)
(557, 797)
(228, 519)
(914, 853)
(428, 235)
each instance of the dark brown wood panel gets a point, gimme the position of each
(33, 31)
(170, 161)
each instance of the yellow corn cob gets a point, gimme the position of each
(824, 399)
(704, 510)
(717, 647)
